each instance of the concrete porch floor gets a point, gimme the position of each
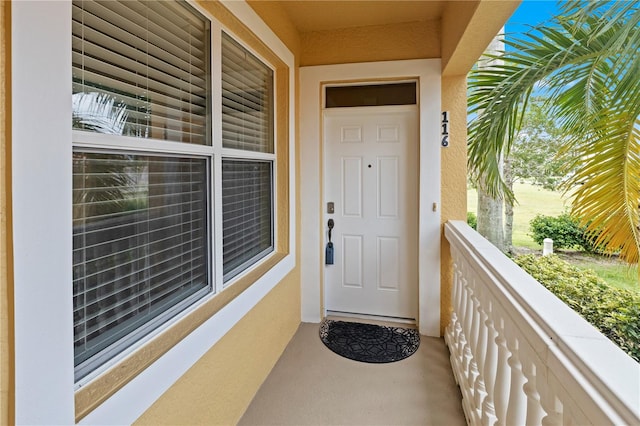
(311, 385)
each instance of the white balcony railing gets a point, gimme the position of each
(521, 356)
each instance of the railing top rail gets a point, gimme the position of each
(561, 337)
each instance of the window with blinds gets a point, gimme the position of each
(139, 245)
(141, 69)
(247, 99)
(143, 247)
(247, 213)
(247, 183)
(141, 237)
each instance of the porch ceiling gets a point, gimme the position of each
(313, 15)
(464, 31)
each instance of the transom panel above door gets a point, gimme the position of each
(371, 176)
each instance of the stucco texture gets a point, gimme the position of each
(218, 389)
(273, 14)
(454, 180)
(411, 40)
(467, 28)
(6, 293)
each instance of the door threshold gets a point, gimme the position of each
(336, 315)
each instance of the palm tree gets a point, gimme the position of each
(99, 187)
(587, 60)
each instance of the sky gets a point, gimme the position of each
(531, 12)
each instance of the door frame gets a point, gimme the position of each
(312, 82)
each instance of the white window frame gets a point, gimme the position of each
(220, 153)
(42, 227)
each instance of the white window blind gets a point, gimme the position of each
(140, 245)
(247, 183)
(144, 66)
(247, 213)
(247, 99)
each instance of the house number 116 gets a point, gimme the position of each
(445, 129)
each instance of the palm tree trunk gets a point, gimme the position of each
(508, 207)
(490, 218)
(490, 222)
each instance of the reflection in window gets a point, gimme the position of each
(139, 245)
(150, 58)
(99, 112)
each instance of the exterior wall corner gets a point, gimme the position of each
(454, 179)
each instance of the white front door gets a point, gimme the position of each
(371, 177)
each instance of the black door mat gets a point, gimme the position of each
(368, 342)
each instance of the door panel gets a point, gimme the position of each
(388, 261)
(352, 187)
(371, 163)
(388, 187)
(352, 261)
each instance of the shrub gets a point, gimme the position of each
(613, 311)
(472, 220)
(564, 230)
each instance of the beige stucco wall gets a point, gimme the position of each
(467, 28)
(411, 40)
(454, 180)
(454, 19)
(277, 19)
(218, 389)
(6, 292)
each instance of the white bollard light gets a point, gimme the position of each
(547, 247)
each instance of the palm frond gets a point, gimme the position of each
(99, 112)
(589, 62)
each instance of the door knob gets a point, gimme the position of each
(329, 250)
(330, 224)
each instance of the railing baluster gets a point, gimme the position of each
(472, 369)
(452, 333)
(550, 404)
(503, 374)
(535, 413)
(516, 410)
(490, 369)
(468, 333)
(449, 331)
(462, 336)
(479, 389)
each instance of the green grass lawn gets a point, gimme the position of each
(532, 200)
(620, 275)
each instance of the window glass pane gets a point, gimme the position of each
(247, 212)
(141, 69)
(247, 99)
(371, 95)
(139, 246)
